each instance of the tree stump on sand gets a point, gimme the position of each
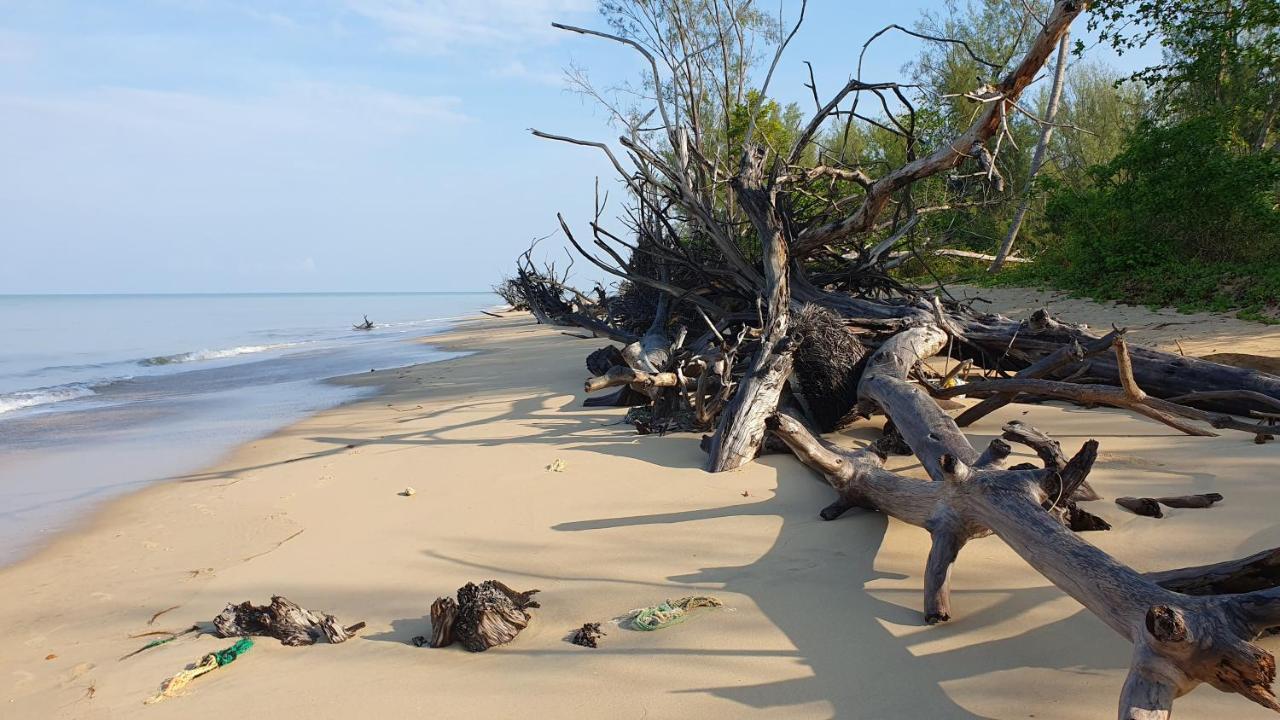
(484, 615)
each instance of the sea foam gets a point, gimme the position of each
(198, 355)
(43, 396)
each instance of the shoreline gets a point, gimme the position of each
(821, 618)
(77, 519)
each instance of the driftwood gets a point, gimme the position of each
(483, 616)
(1150, 507)
(741, 430)
(1201, 500)
(1147, 507)
(284, 620)
(366, 325)
(749, 243)
(1180, 640)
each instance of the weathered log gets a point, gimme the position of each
(284, 620)
(1160, 374)
(1150, 507)
(638, 380)
(742, 424)
(1180, 641)
(1065, 355)
(1259, 571)
(1145, 506)
(1202, 500)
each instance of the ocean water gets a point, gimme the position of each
(103, 394)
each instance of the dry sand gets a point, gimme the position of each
(822, 619)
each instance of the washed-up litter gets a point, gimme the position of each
(284, 620)
(556, 465)
(168, 638)
(408, 492)
(207, 664)
(484, 615)
(668, 612)
(587, 635)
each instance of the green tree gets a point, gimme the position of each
(1220, 57)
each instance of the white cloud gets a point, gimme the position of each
(440, 26)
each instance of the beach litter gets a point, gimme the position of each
(587, 635)
(169, 637)
(669, 612)
(556, 465)
(284, 620)
(408, 492)
(207, 664)
(483, 616)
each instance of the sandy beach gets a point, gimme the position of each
(821, 619)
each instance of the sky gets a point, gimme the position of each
(321, 145)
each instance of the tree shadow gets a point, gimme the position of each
(812, 584)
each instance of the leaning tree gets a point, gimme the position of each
(755, 301)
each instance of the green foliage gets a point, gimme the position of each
(1183, 216)
(1097, 112)
(1223, 54)
(777, 127)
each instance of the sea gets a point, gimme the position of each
(103, 394)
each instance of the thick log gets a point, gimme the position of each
(1180, 641)
(742, 424)
(1259, 571)
(1064, 356)
(1160, 374)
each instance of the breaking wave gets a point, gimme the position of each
(199, 355)
(43, 396)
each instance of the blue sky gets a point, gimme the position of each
(277, 145)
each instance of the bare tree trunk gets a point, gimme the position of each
(742, 425)
(1046, 132)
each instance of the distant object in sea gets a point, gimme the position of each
(366, 325)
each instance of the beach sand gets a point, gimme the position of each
(821, 619)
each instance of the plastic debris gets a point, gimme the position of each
(668, 612)
(207, 664)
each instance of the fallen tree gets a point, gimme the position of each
(754, 300)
